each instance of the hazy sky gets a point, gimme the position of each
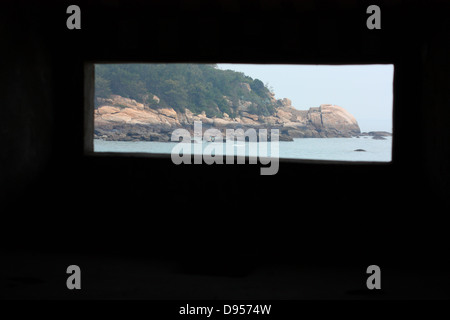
(363, 90)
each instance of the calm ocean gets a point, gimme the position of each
(311, 148)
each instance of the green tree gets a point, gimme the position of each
(102, 87)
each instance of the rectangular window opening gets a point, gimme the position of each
(292, 112)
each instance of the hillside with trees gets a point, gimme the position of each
(147, 102)
(196, 87)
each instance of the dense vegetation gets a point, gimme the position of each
(197, 87)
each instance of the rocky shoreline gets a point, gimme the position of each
(123, 119)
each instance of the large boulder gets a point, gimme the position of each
(333, 118)
(285, 102)
(245, 86)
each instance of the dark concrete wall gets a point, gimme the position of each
(58, 199)
(26, 112)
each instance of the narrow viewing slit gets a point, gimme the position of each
(282, 111)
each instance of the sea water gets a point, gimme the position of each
(342, 149)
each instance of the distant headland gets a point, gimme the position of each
(147, 102)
